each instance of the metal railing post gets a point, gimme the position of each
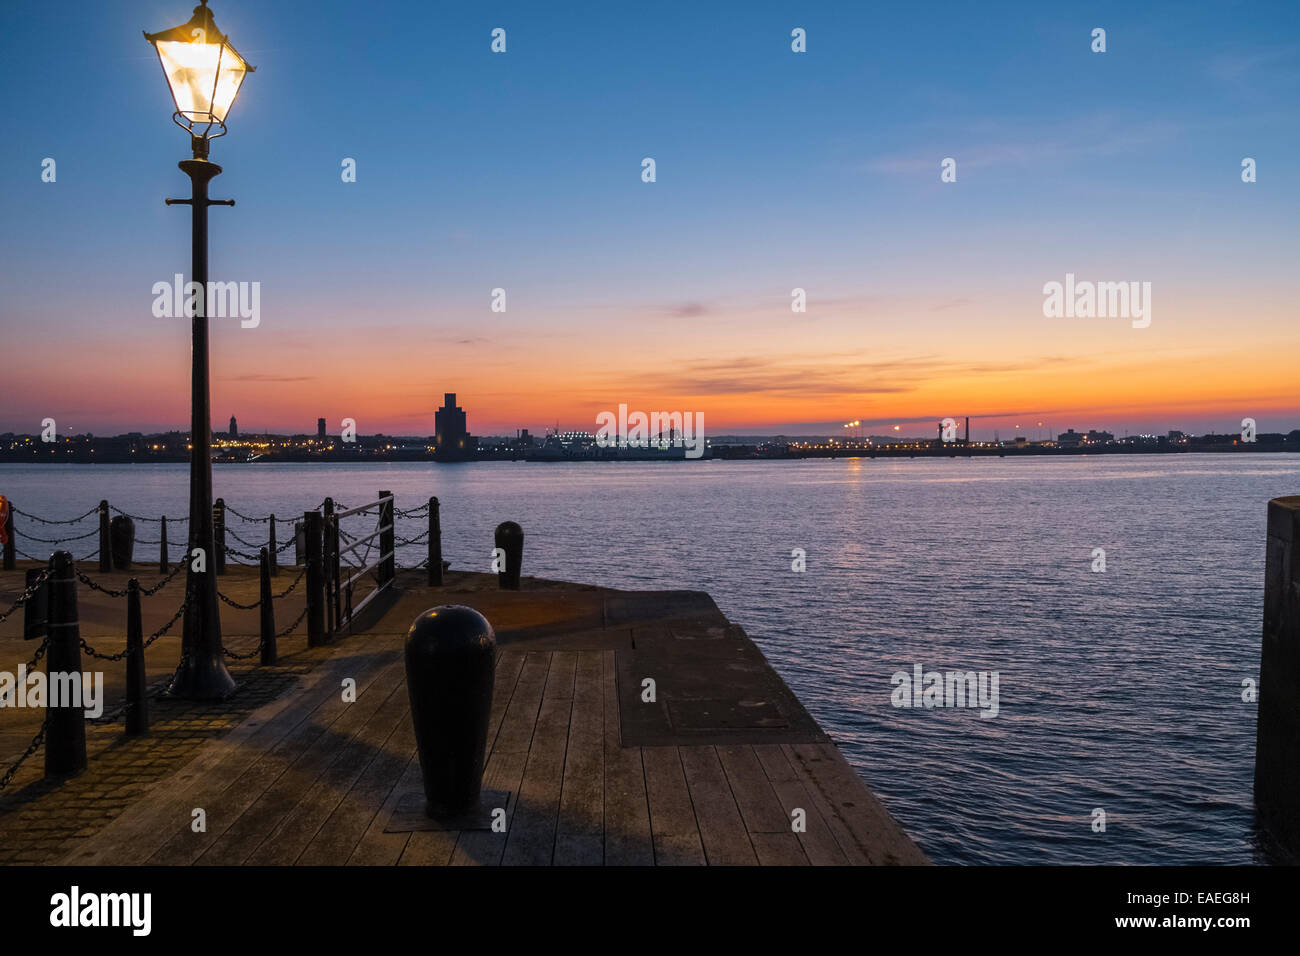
(435, 545)
(65, 721)
(137, 709)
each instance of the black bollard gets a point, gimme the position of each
(65, 726)
(137, 709)
(267, 617)
(435, 545)
(1277, 740)
(387, 538)
(315, 582)
(37, 609)
(105, 548)
(10, 546)
(162, 548)
(330, 557)
(219, 533)
(450, 669)
(510, 539)
(121, 541)
(275, 564)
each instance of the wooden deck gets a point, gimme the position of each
(587, 773)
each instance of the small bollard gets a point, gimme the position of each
(435, 545)
(105, 545)
(267, 617)
(331, 559)
(137, 708)
(162, 548)
(275, 565)
(65, 725)
(314, 584)
(121, 542)
(387, 537)
(10, 546)
(36, 610)
(219, 533)
(450, 670)
(510, 539)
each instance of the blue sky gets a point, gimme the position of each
(775, 170)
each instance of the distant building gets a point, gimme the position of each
(320, 428)
(452, 439)
(1073, 439)
(234, 427)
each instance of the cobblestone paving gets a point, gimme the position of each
(41, 820)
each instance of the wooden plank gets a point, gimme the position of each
(559, 680)
(254, 803)
(862, 826)
(509, 665)
(672, 818)
(722, 830)
(778, 849)
(341, 834)
(352, 754)
(817, 841)
(628, 841)
(579, 839)
(590, 675)
(484, 847)
(516, 734)
(428, 848)
(377, 848)
(135, 835)
(532, 829)
(758, 803)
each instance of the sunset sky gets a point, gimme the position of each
(775, 170)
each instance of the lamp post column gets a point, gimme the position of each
(202, 672)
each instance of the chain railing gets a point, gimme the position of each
(26, 596)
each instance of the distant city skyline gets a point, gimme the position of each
(776, 171)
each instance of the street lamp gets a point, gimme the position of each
(204, 74)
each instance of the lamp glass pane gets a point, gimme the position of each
(192, 73)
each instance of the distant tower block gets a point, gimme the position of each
(234, 427)
(320, 428)
(967, 430)
(1277, 744)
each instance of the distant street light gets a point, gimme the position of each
(204, 74)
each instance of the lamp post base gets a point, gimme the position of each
(201, 678)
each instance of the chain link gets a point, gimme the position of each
(19, 511)
(27, 595)
(150, 592)
(32, 537)
(147, 643)
(294, 626)
(141, 517)
(240, 607)
(34, 746)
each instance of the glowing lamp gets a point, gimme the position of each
(203, 71)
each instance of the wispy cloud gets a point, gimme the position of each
(991, 145)
(823, 375)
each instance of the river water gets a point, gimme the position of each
(1118, 691)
